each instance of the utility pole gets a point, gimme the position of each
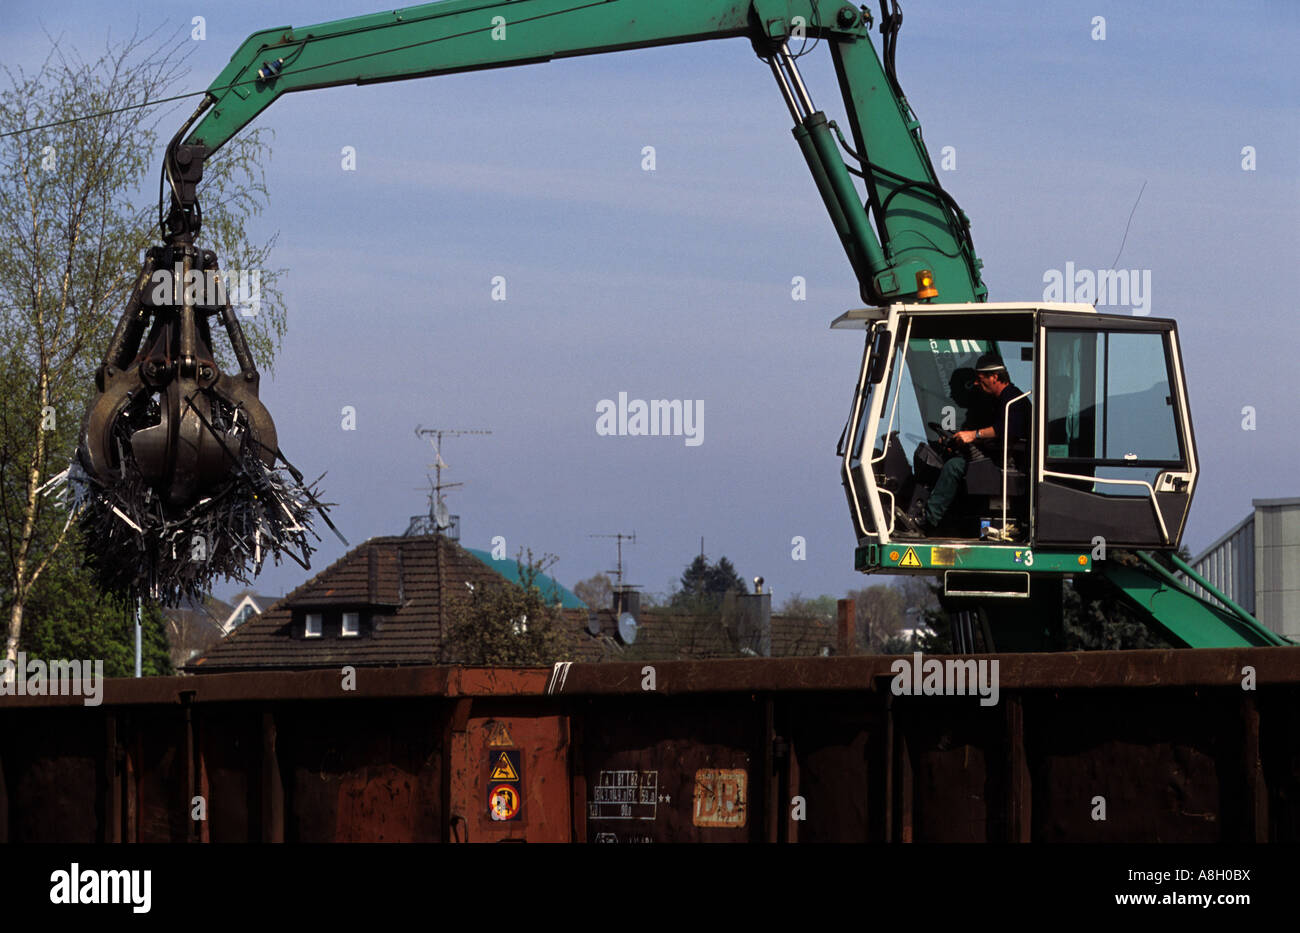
(139, 660)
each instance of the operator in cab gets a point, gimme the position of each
(992, 378)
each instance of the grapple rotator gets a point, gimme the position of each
(176, 480)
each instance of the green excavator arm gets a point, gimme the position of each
(917, 225)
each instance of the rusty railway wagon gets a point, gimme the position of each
(1137, 746)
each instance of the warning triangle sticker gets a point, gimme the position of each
(909, 559)
(504, 770)
(500, 736)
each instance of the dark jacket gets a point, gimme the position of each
(1017, 423)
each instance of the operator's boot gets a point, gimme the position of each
(913, 523)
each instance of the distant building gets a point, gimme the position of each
(1256, 564)
(246, 605)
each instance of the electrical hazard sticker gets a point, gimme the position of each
(909, 559)
(506, 767)
(504, 802)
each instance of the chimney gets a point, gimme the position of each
(627, 599)
(754, 621)
(845, 627)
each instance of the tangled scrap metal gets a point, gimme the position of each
(137, 546)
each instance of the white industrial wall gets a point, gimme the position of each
(1257, 565)
(1277, 565)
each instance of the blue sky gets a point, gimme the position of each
(676, 283)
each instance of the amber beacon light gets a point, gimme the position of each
(925, 285)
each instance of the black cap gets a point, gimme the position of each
(990, 363)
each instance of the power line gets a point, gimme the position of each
(102, 113)
(1129, 224)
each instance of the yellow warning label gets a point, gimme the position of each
(943, 556)
(909, 559)
(504, 770)
(500, 736)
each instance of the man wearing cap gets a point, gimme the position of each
(991, 376)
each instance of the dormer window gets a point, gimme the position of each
(351, 624)
(312, 625)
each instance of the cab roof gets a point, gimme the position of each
(859, 317)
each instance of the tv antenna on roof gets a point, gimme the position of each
(439, 518)
(618, 572)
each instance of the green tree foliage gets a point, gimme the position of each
(703, 585)
(503, 624)
(77, 211)
(68, 618)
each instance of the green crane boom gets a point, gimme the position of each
(917, 225)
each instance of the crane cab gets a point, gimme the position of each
(1110, 459)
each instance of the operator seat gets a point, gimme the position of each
(984, 479)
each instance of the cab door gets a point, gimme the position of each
(1116, 459)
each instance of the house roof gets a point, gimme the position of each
(667, 635)
(510, 569)
(801, 637)
(399, 582)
